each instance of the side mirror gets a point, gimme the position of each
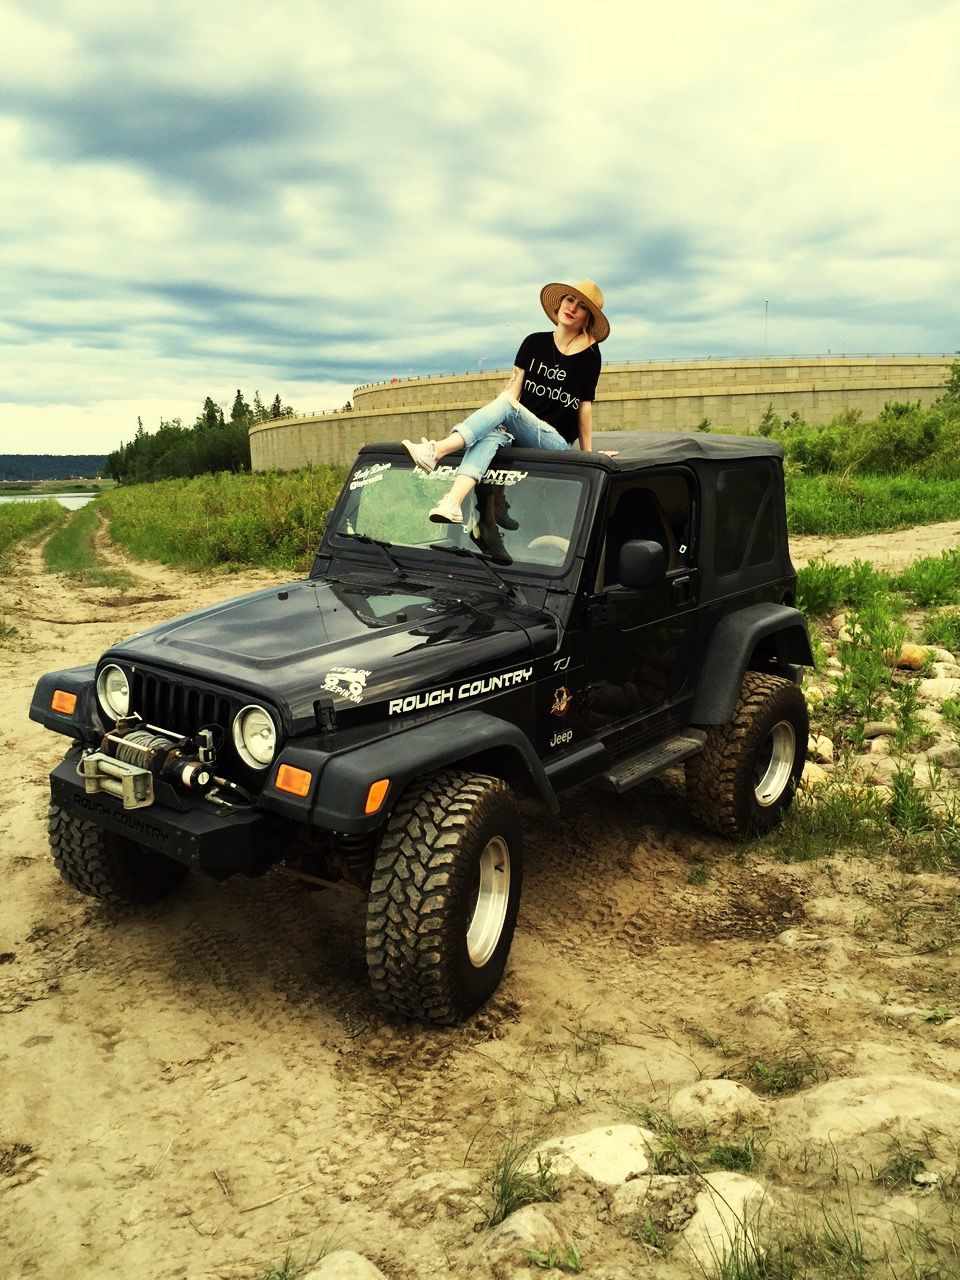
(642, 563)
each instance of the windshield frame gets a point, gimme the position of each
(372, 463)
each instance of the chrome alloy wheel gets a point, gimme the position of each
(491, 898)
(775, 763)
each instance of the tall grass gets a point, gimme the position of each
(830, 504)
(22, 519)
(273, 519)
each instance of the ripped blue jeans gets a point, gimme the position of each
(501, 423)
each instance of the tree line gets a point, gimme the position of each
(212, 443)
(20, 467)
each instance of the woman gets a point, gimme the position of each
(547, 404)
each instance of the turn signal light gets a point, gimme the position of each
(65, 703)
(376, 795)
(295, 781)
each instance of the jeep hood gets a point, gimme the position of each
(356, 644)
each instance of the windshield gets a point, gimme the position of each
(512, 517)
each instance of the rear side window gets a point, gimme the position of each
(745, 527)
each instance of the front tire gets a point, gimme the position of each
(744, 779)
(444, 897)
(107, 866)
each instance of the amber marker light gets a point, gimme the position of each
(376, 795)
(295, 781)
(65, 703)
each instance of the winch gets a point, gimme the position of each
(133, 755)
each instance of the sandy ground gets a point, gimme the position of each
(193, 1089)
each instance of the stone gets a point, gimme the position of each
(820, 748)
(728, 1208)
(834, 665)
(528, 1229)
(913, 657)
(945, 670)
(608, 1156)
(879, 746)
(879, 728)
(813, 776)
(814, 697)
(941, 655)
(716, 1105)
(944, 754)
(939, 688)
(345, 1265)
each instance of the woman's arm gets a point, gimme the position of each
(585, 425)
(515, 384)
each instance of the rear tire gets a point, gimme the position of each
(444, 897)
(744, 779)
(107, 866)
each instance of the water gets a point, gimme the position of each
(72, 501)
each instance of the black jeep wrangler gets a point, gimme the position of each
(376, 723)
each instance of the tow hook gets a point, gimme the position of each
(133, 755)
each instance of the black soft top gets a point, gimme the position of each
(638, 449)
(655, 448)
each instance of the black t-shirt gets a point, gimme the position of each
(554, 384)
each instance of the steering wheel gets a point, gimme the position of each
(552, 542)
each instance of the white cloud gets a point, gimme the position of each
(321, 195)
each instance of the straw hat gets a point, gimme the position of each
(589, 295)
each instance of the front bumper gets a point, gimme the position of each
(218, 842)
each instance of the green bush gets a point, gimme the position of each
(823, 587)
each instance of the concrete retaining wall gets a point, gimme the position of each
(670, 395)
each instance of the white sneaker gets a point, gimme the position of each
(447, 511)
(423, 454)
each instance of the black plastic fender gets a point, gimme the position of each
(85, 722)
(338, 795)
(734, 642)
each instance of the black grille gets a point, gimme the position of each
(183, 708)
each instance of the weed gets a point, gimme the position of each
(737, 1157)
(909, 806)
(291, 1269)
(699, 874)
(903, 1164)
(519, 1177)
(778, 1076)
(943, 629)
(939, 1015)
(645, 1231)
(950, 710)
(560, 1089)
(709, 1039)
(568, 1261)
(932, 580)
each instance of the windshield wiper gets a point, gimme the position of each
(502, 584)
(384, 548)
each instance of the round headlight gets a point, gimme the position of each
(113, 691)
(255, 736)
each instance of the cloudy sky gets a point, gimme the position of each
(304, 196)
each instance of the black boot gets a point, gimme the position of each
(490, 541)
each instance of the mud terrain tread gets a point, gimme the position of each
(713, 774)
(420, 869)
(106, 866)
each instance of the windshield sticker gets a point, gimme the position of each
(496, 476)
(369, 475)
(459, 693)
(503, 477)
(349, 682)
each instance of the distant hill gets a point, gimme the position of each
(50, 466)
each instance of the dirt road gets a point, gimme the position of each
(194, 1089)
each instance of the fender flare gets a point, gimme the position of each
(339, 794)
(734, 641)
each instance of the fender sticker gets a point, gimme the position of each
(459, 693)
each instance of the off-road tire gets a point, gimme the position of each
(445, 833)
(744, 778)
(107, 866)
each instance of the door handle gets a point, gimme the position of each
(682, 593)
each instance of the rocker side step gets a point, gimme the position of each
(646, 764)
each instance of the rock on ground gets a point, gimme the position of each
(608, 1156)
(345, 1265)
(727, 1209)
